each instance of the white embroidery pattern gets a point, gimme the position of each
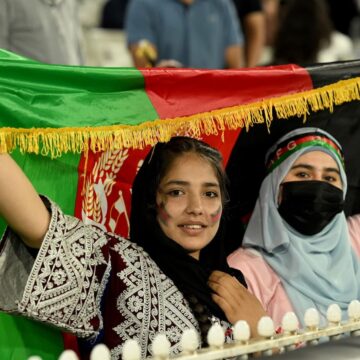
(150, 304)
(62, 288)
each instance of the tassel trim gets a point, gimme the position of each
(56, 141)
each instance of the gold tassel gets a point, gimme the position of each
(55, 142)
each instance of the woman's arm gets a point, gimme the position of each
(20, 205)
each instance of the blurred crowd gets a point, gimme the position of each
(215, 34)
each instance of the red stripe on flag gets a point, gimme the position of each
(182, 92)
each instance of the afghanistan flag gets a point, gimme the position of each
(81, 133)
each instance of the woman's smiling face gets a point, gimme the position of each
(189, 204)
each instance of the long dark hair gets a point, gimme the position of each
(189, 275)
(304, 29)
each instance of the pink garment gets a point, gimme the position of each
(265, 284)
(354, 232)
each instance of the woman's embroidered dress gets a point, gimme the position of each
(96, 285)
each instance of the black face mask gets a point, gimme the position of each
(308, 206)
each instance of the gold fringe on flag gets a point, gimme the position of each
(56, 141)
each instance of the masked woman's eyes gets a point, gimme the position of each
(330, 178)
(302, 175)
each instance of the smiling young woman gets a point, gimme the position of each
(171, 276)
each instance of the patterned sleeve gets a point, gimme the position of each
(64, 284)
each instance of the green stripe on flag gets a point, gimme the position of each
(37, 95)
(55, 178)
(58, 178)
(25, 338)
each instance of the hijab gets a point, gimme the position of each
(188, 274)
(315, 270)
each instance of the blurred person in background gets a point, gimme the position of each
(252, 20)
(113, 14)
(306, 35)
(250, 14)
(184, 33)
(271, 11)
(342, 13)
(42, 30)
